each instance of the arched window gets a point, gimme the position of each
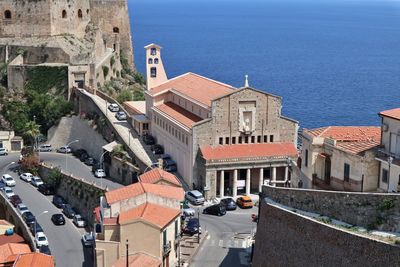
(156, 61)
(153, 72)
(79, 13)
(64, 14)
(150, 61)
(115, 30)
(87, 11)
(7, 14)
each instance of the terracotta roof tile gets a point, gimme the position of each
(125, 192)
(249, 151)
(357, 147)
(138, 260)
(34, 260)
(14, 238)
(158, 215)
(156, 175)
(347, 133)
(8, 252)
(178, 113)
(392, 113)
(194, 86)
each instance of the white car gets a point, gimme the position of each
(121, 116)
(100, 173)
(64, 149)
(8, 192)
(195, 197)
(41, 239)
(26, 176)
(113, 107)
(45, 148)
(36, 181)
(187, 211)
(3, 152)
(79, 221)
(88, 239)
(22, 208)
(8, 180)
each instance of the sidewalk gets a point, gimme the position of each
(189, 248)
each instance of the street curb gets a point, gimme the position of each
(197, 249)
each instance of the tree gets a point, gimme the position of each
(32, 131)
(54, 177)
(125, 95)
(17, 114)
(119, 151)
(30, 164)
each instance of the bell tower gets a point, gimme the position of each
(155, 72)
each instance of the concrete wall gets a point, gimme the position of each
(285, 238)
(371, 210)
(121, 171)
(106, 253)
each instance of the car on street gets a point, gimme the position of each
(120, 115)
(149, 140)
(90, 161)
(113, 107)
(64, 149)
(229, 203)
(79, 221)
(28, 217)
(68, 211)
(88, 239)
(41, 239)
(35, 228)
(244, 202)
(8, 192)
(58, 219)
(195, 197)
(15, 200)
(157, 149)
(3, 151)
(170, 165)
(46, 189)
(192, 227)
(2, 184)
(45, 148)
(36, 181)
(45, 250)
(26, 176)
(100, 173)
(59, 201)
(8, 180)
(216, 209)
(78, 152)
(187, 211)
(22, 208)
(83, 156)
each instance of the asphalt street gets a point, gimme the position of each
(228, 243)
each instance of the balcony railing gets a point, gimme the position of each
(167, 248)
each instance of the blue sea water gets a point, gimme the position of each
(334, 62)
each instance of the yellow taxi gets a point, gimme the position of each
(244, 202)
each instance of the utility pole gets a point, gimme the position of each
(198, 230)
(127, 258)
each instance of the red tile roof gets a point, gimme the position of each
(357, 147)
(138, 260)
(156, 175)
(139, 188)
(347, 133)
(158, 215)
(14, 238)
(178, 113)
(249, 151)
(392, 113)
(194, 86)
(34, 260)
(8, 252)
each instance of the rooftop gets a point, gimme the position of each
(249, 151)
(391, 113)
(34, 260)
(156, 175)
(14, 238)
(9, 251)
(157, 215)
(178, 113)
(196, 87)
(139, 259)
(135, 107)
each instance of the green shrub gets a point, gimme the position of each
(124, 95)
(105, 71)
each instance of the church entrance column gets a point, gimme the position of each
(248, 182)
(274, 176)
(234, 189)
(261, 180)
(221, 184)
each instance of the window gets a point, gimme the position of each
(265, 138)
(164, 237)
(150, 61)
(346, 174)
(221, 141)
(246, 139)
(87, 11)
(153, 72)
(156, 61)
(115, 30)
(385, 176)
(153, 51)
(79, 13)
(186, 141)
(227, 140)
(176, 229)
(271, 138)
(64, 14)
(306, 158)
(253, 139)
(145, 126)
(398, 181)
(7, 14)
(259, 139)
(240, 140)
(233, 140)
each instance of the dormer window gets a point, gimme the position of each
(156, 61)
(115, 30)
(153, 72)
(7, 14)
(153, 51)
(150, 61)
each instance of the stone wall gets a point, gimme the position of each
(285, 238)
(122, 171)
(370, 210)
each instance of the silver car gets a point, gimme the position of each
(121, 116)
(79, 221)
(195, 197)
(3, 152)
(8, 192)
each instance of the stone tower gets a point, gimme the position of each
(155, 72)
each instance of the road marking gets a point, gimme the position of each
(213, 242)
(221, 242)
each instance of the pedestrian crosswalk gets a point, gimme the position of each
(231, 243)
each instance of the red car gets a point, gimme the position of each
(15, 200)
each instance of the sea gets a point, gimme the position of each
(333, 62)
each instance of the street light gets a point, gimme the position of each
(127, 253)
(44, 212)
(129, 137)
(198, 229)
(390, 160)
(66, 151)
(5, 167)
(101, 166)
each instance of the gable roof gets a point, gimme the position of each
(138, 259)
(391, 113)
(9, 252)
(178, 113)
(157, 215)
(34, 260)
(194, 86)
(156, 175)
(14, 238)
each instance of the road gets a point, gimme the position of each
(228, 243)
(64, 241)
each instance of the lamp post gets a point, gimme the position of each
(101, 166)
(129, 137)
(127, 253)
(66, 158)
(44, 212)
(198, 230)
(390, 160)
(106, 107)
(5, 167)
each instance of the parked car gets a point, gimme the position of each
(120, 115)
(3, 151)
(79, 221)
(170, 165)
(187, 211)
(90, 161)
(28, 217)
(15, 200)
(41, 239)
(58, 201)
(26, 176)
(157, 149)
(229, 203)
(68, 211)
(2, 185)
(192, 227)
(46, 189)
(244, 202)
(165, 156)
(83, 156)
(195, 197)
(149, 140)
(22, 208)
(8, 192)
(100, 173)
(64, 149)
(45, 148)
(35, 228)
(58, 219)
(88, 239)
(77, 153)
(45, 250)
(36, 181)
(113, 107)
(8, 180)
(216, 209)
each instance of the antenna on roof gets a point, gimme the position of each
(246, 82)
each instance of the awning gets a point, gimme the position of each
(109, 147)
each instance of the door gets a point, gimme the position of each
(327, 176)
